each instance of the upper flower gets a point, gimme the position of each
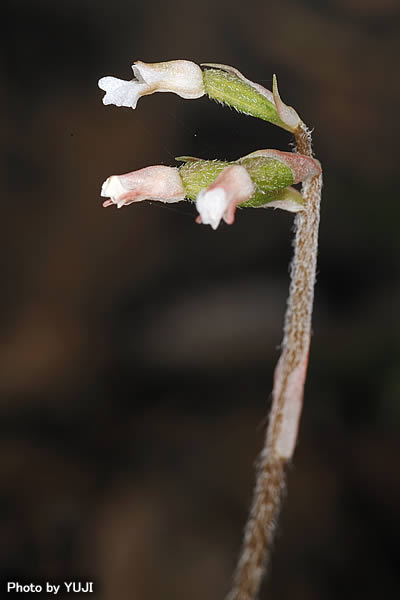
(220, 82)
(181, 77)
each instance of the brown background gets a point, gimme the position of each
(137, 348)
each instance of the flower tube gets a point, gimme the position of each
(181, 77)
(151, 183)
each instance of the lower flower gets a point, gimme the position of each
(261, 179)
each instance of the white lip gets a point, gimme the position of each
(112, 188)
(121, 92)
(211, 205)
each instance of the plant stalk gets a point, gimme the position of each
(287, 393)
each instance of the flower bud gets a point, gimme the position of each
(151, 183)
(181, 77)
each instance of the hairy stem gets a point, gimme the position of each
(287, 393)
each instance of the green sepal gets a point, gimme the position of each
(286, 195)
(228, 89)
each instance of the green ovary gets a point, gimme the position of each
(268, 174)
(199, 174)
(229, 89)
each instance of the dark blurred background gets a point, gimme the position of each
(137, 348)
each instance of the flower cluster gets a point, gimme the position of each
(260, 179)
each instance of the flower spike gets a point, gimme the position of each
(262, 179)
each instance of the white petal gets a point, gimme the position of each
(182, 77)
(211, 206)
(121, 92)
(112, 188)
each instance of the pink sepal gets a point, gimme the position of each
(303, 167)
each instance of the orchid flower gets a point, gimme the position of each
(260, 179)
(219, 82)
